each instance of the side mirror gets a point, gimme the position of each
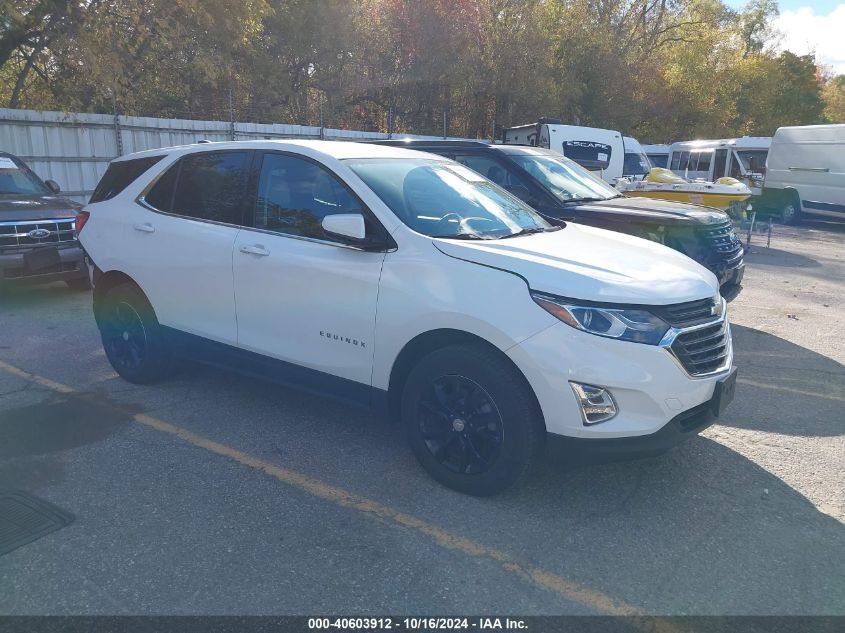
(53, 186)
(347, 226)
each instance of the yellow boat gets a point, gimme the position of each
(665, 185)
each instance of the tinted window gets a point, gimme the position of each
(719, 163)
(211, 186)
(294, 195)
(676, 160)
(658, 160)
(161, 194)
(704, 161)
(589, 154)
(17, 179)
(120, 175)
(492, 170)
(684, 162)
(635, 164)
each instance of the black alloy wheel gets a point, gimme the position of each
(132, 338)
(460, 424)
(471, 419)
(124, 337)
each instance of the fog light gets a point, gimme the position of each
(596, 403)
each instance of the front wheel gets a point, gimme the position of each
(132, 337)
(790, 213)
(472, 420)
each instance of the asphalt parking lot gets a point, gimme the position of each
(216, 494)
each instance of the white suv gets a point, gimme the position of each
(405, 282)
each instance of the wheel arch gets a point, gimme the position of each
(427, 342)
(105, 281)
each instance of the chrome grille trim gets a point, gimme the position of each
(16, 234)
(696, 348)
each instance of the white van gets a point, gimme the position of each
(658, 155)
(741, 158)
(604, 151)
(805, 172)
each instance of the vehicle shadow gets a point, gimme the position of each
(773, 256)
(785, 388)
(701, 529)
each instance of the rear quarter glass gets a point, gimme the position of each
(120, 175)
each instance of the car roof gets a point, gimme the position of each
(424, 144)
(313, 148)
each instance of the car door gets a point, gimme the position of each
(301, 296)
(181, 239)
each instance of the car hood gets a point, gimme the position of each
(582, 262)
(25, 208)
(659, 211)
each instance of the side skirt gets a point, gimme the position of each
(196, 348)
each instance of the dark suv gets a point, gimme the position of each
(561, 190)
(37, 239)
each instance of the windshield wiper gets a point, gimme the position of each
(464, 236)
(537, 229)
(580, 200)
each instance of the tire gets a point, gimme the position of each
(80, 283)
(471, 420)
(132, 337)
(790, 213)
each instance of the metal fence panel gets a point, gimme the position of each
(74, 149)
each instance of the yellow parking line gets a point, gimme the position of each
(567, 589)
(800, 392)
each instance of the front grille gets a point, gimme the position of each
(681, 315)
(704, 350)
(722, 243)
(15, 234)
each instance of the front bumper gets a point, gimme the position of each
(679, 429)
(729, 276)
(651, 389)
(71, 266)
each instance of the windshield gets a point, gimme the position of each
(635, 164)
(18, 180)
(753, 160)
(446, 199)
(564, 178)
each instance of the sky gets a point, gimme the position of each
(812, 26)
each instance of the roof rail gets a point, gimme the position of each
(409, 142)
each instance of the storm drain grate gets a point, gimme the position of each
(24, 518)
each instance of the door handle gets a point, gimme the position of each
(255, 249)
(146, 227)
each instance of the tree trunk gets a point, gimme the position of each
(14, 100)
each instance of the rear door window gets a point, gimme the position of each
(205, 186)
(120, 175)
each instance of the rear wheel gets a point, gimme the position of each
(790, 213)
(132, 337)
(471, 420)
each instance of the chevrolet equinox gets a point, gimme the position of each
(408, 283)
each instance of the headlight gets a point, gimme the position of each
(637, 326)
